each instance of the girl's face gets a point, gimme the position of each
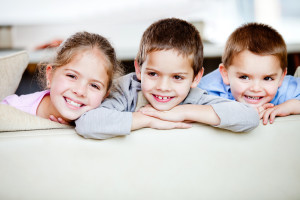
(79, 86)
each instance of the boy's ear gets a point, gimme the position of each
(224, 73)
(49, 75)
(197, 78)
(282, 77)
(137, 69)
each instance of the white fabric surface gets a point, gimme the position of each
(198, 163)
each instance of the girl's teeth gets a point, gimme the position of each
(73, 103)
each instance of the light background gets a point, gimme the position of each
(35, 22)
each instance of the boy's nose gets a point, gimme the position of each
(163, 84)
(255, 86)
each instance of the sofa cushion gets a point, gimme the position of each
(12, 68)
(12, 119)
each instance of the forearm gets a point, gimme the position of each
(295, 106)
(201, 113)
(103, 123)
(236, 116)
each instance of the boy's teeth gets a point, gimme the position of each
(73, 103)
(164, 98)
(254, 98)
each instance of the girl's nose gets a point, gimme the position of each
(79, 90)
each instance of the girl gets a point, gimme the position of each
(76, 81)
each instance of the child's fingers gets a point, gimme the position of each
(146, 108)
(183, 125)
(60, 120)
(266, 116)
(261, 114)
(172, 125)
(270, 115)
(52, 118)
(149, 113)
(268, 105)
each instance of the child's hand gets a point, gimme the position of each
(165, 125)
(143, 121)
(262, 109)
(287, 108)
(59, 120)
(176, 114)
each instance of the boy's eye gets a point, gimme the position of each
(244, 77)
(268, 78)
(177, 77)
(152, 74)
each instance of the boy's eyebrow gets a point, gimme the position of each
(149, 68)
(244, 73)
(274, 74)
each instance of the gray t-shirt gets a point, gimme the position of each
(114, 116)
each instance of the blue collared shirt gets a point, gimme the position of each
(214, 85)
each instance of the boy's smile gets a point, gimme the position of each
(166, 78)
(253, 79)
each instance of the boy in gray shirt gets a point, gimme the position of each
(168, 68)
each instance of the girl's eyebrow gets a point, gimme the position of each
(93, 80)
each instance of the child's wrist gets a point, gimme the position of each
(139, 121)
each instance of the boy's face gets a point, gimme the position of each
(253, 79)
(166, 78)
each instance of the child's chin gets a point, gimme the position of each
(163, 108)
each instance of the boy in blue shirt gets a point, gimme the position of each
(253, 71)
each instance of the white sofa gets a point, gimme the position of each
(41, 159)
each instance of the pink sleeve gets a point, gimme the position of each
(27, 103)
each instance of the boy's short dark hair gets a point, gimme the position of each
(258, 38)
(172, 33)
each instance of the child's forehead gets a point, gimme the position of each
(246, 58)
(255, 65)
(169, 54)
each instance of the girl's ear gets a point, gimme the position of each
(137, 69)
(49, 75)
(224, 73)
(197, 78)
(106, 95)
(282, 76)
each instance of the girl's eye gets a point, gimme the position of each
(71, 76)
(152, 74)
(244, 77)
(268, 78)
(177, 77)
(95, 86)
